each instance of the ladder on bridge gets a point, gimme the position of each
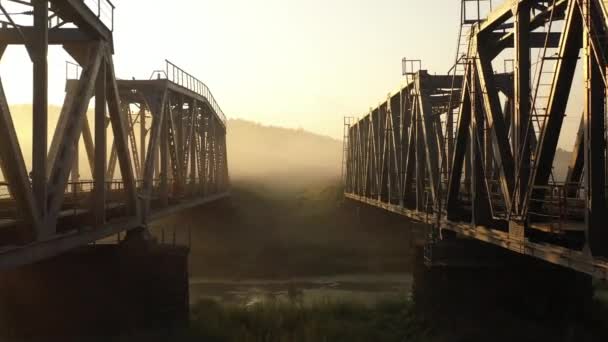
(472, 12)
(544, 79)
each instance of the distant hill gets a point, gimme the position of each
(272, 155)
(283, 156)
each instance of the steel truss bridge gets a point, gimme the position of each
(473, 152)
(167, 137)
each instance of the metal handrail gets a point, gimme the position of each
(178, 76)
(104, 10)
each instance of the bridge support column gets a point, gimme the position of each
(467, 278)
(96, 291)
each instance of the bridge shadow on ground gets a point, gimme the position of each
(510, 298)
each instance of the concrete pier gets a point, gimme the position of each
(465, 276)
(97, 290)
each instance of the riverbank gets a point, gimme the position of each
(395, 320)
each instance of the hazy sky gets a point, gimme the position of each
(293, 63)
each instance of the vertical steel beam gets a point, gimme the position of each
(156, 102)
(479, 195)
(175, 161)
(179, 116)
(142, 134)
(382, 152)
(75, 174)
(420, 160)
(99, 169)
(429, 135)
(595, 182)
(369, 156)
(193, 142)
(458, 161)
(411, 159)
(396, 146)
(204, 131)
(521, 118)
(374, 157)
(164, 158)
(39, 48)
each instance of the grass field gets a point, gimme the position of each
(325, 321)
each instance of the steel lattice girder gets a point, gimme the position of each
(49, 220)
(498, 176)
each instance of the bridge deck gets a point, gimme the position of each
(577, 260)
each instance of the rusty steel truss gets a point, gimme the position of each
(156, 146)
(473, 152)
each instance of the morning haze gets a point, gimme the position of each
(291, 63)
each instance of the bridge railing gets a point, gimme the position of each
(178, 76)
(559, 203)
(104, 10)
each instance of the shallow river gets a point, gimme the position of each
(364, 289)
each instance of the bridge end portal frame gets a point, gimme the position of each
(180, 162)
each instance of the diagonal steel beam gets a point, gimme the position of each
(500, 141)
(460, 149)
(429, 135)
(89, 145)
(99, 150)
(157, 106)
(522, 109)
(119, 128)
(60, 170)
(558, 99)
(411, 159)
(62, 123)
(178, 175)
(15, 172)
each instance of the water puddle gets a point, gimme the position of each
(365, 289)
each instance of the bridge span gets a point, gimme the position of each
(153, 146)
(472, 153)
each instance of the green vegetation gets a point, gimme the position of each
(395, 320)
(329, 321)
(326, 321)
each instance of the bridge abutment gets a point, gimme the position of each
(469, 277)
(97, 290)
